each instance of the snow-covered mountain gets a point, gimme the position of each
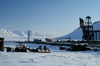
(41, 34)
(77, 34)
(33, 34)
(7, 33)
(20, 33)
(37, 34)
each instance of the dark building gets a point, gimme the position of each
(87, 28)
(1, 44)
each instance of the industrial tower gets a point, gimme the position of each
(87, 28)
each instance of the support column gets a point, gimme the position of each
(96, 35)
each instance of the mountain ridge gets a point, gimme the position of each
(7, 33)
(18, 33)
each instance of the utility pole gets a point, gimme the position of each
(29, 35)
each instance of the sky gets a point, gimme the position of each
(57, 17)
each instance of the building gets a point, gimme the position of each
(1, 44)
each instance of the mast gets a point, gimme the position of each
(29, 35)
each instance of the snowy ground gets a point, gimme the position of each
(55, 58)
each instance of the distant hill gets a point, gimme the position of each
(37, 34)
(18, 33)
(7, 33)
(77, 34)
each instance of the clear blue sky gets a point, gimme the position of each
(58, 17)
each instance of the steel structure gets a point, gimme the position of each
(87, 28)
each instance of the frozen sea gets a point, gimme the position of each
(55, 58)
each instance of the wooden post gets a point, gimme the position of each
(1, 44)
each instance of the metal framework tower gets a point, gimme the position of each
(87, 28)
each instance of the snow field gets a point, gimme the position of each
(55, 58)
(65, 58)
